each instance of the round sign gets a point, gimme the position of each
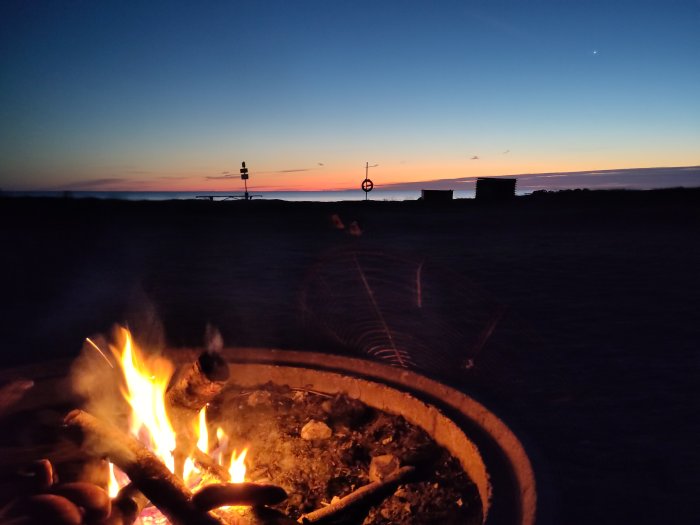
(367, 185)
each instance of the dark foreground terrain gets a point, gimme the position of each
(575, 316)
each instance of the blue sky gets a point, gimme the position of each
(159, 95)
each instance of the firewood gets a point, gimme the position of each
(40, 474)
(243, 494)
(198, 383)
(361, 498)
(47, 509)
(165, 490)
(90, 497)
(191, 389)
(30, 479)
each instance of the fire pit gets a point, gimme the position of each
(488, 452)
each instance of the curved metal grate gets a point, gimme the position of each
(409, 312)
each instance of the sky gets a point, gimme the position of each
(171, 95)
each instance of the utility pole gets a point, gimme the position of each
(367, 184)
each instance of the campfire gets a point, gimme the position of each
(166, 455)
(195, 438)
(164, 466)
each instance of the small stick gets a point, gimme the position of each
(364, 496)
(207, 463)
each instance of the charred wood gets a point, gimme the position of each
(243, 494)
(360, 499)
(165, 490)
(198, 383)
(191, 389)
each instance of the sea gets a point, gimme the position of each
(298, 196)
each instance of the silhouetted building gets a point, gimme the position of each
(495, 189)
(436, 195)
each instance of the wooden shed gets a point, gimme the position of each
(495, 188)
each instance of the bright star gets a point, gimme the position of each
(595, 51)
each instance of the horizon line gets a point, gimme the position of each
(413, 185)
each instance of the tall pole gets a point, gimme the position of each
(367, 184)
(244, 176)
(366, 177)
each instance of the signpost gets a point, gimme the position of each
(246, 196)
(244, 176)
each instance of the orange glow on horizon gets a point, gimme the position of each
(331, 178)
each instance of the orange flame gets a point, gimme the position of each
(113, 487)
(203, 440)
(237, 468)
(146, 381)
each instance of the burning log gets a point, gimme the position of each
(191, 389)
(200, 382)
(248, 494)
(360, 499)
(165, 490)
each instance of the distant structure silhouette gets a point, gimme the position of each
(436, 195)
(495, 189)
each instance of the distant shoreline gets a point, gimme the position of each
(299, 196)
(291, 196)
(538, 199)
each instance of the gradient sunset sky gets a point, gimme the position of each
(170, 95)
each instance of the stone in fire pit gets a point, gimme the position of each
(321, 447)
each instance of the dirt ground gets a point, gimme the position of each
(314, 468)
(575, 316)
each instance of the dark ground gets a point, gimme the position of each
(593, 299)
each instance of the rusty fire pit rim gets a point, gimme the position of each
(428, 390)
(411, 382)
